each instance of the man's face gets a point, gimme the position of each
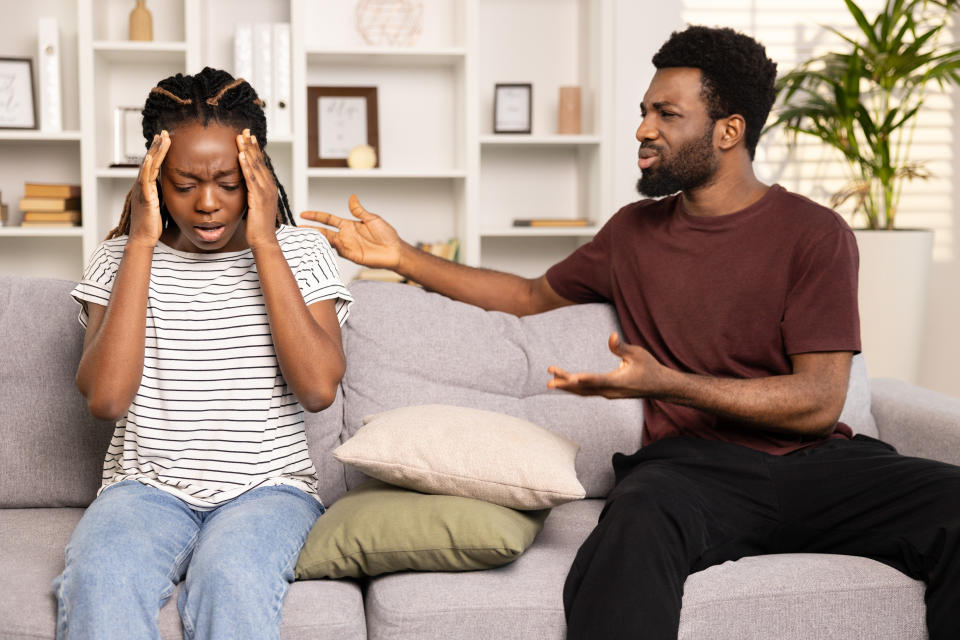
(676, 135)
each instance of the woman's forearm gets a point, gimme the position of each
(309, 351)
(112, 363)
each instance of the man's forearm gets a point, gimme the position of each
(794, 404)
(485, 288)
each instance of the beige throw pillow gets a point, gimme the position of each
(472, 453)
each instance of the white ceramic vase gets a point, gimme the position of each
(894, 270)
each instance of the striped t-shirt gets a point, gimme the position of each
(213, 416)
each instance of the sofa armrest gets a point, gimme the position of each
(917, 421)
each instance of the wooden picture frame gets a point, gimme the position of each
(18, 104)
(339, 119)
(513, 108)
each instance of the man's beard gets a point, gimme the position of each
(691, 166)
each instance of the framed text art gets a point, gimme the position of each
(512, 108)
(340, 119)
(128, 145)
(17, 106)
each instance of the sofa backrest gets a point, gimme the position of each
(404, 346)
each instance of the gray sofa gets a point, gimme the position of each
(406, 346)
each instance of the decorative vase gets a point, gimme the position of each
(390, 22)
(141, 22)
(894, 270)
(568, 110)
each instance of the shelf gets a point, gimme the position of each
(413, 174)
(387, 56)
(118, 172)
(521, 232)
(129, 52)
(40, 232)
(35, 135)
(521, 140)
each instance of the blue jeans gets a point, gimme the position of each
(135, 543)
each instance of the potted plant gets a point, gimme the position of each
(864, 102)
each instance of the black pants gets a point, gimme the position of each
(683, 505)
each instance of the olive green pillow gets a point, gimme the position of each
(380, 528)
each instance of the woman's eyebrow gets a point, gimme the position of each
(219, 174)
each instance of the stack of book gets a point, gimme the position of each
(550, 222)
(50, 205)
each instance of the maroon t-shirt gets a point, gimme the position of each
(729, 296)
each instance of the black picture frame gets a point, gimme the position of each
(513, 107)
(18, 102)
(338, 119)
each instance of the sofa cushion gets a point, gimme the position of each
(788, 597)
(406, 346)
(800, 596)
(465, 452)
(31, 556)
(380, 528)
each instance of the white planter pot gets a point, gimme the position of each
(894, 269)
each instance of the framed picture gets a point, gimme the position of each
(128, 146)
(339, 119)
(512, 108)
(17, 105)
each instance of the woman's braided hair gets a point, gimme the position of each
(211, 95)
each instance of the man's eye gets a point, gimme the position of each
(182, 188)
(667, 114)
(230, 187)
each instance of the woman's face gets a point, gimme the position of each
(203, 189)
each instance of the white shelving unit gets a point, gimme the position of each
(442, 172)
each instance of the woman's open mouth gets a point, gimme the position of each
(210, 232)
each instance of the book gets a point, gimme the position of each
(550, 222)
(381, 275)
(46, 223)
(72, 216)
(3, 215)
(50, 190)
(49, 204)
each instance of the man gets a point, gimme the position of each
(738, 301)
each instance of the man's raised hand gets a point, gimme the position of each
(368, 240)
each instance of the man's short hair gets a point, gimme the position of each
(737, 76)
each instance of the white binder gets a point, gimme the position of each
(243, 52)
(282, 119)
(263, 68)
(48, 63)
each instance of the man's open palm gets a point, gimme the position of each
(369, 240)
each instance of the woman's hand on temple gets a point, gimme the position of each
(146, 224)
(261, 192)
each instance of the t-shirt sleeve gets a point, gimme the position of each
(98, 278)
(318, 276)
(584, 275)
(821, 312)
